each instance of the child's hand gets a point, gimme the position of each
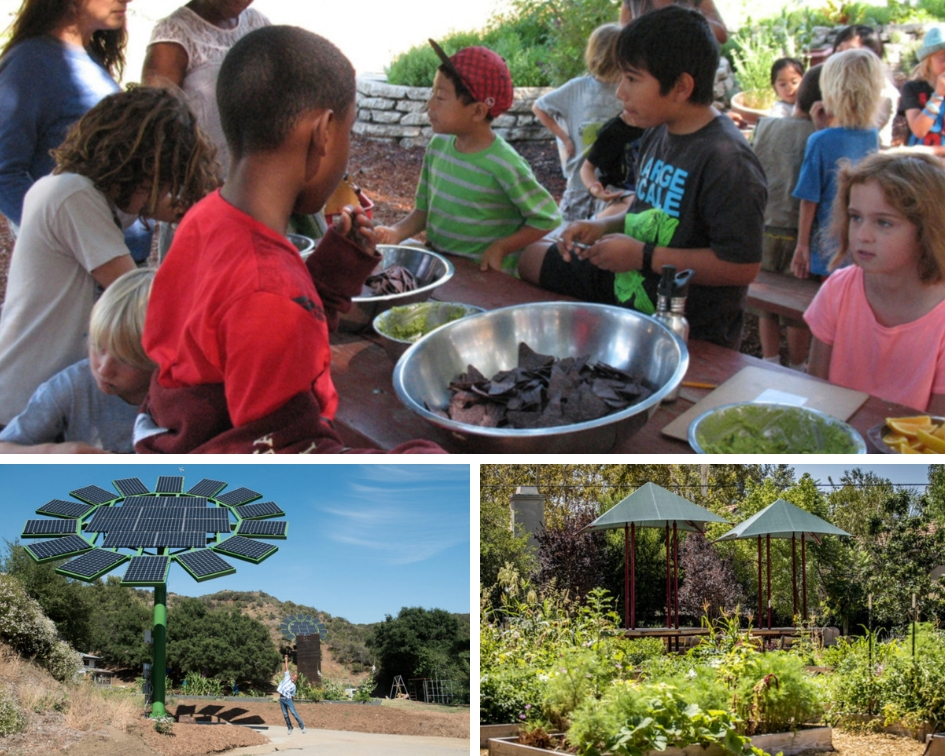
(386, 235)
(800, 263)
(583, 233)
(354, 224)
(492, 258)
(614, 252)
(599, 191)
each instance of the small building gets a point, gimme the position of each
(98, 675)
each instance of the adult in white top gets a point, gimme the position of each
(187, 49)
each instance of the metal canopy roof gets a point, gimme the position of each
(783, 520)
(651, 506)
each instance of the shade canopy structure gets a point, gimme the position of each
(781, 519)
(652, 506)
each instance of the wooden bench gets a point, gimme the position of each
(782, 295)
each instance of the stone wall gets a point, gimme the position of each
(398, 114)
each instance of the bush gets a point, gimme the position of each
(542, 42)
(12, 720)
(24, 626)
(896, 686)
(633, 718)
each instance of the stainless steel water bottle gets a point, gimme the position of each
(671, 307)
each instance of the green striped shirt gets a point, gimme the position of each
(471, 200)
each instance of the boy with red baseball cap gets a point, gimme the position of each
(477, 197)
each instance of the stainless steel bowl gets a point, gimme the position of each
(619, 337)
(430, 269)
(303, 244)
(436, 315)
(771, 426)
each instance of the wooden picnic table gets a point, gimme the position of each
(371, 415)
(782, 295)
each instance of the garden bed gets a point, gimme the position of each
(806, 740)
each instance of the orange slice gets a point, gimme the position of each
(909, 426)
(936, 444)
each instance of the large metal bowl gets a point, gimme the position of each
(430, 269)
(803, 430)
(619, 337)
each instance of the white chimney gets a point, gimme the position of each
(528, 510)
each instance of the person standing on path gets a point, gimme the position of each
(286, 692)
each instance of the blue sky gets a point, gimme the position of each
(900, 474)
(364, 540)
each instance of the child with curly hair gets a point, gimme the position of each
(90, 407)
(136, 154)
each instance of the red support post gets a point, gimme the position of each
(794, 572)
(668, 600)
(804, 573)
(769, 579)
(633, 577)
(626, 575)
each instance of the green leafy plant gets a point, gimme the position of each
(634, 718)
(164, 726)
(12, 720)
(195, 684)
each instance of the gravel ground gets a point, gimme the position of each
(51, 736)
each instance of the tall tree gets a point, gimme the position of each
(220, 643)
(64, 601)
(420, 642)
(120, 617)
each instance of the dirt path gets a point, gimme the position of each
(140, 739)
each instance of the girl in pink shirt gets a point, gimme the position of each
(879, 324)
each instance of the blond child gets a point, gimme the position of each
(923, 95)
(576, 111)
(852, 85)
(879, 324)
(477, 197)
(90, 407)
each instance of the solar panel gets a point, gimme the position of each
(238, 496)
(94, 495)
(92, 565)
(170, 484)
(57, 548)
(167, 502)
(39, 528)
(130, 486)
(264, 528)
(204, 564)
(146, 570)
(216, 523)
(244, 548)
(207, 487)
(61, 508)
(265, 509)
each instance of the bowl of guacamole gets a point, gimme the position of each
(758, 428)
(401, 327)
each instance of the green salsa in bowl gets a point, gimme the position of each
(759, 428)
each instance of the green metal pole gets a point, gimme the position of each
(159, 635)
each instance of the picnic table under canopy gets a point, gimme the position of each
(781, 519)
(652, 506)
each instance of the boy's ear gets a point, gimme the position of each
(480, 111)
(684, 87)
(317, 128)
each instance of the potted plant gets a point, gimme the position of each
(753, 55)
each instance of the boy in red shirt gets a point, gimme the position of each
(237, 323)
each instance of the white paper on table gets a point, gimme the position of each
(781, 397)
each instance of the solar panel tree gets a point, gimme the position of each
(307, 633)
(150, 529)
